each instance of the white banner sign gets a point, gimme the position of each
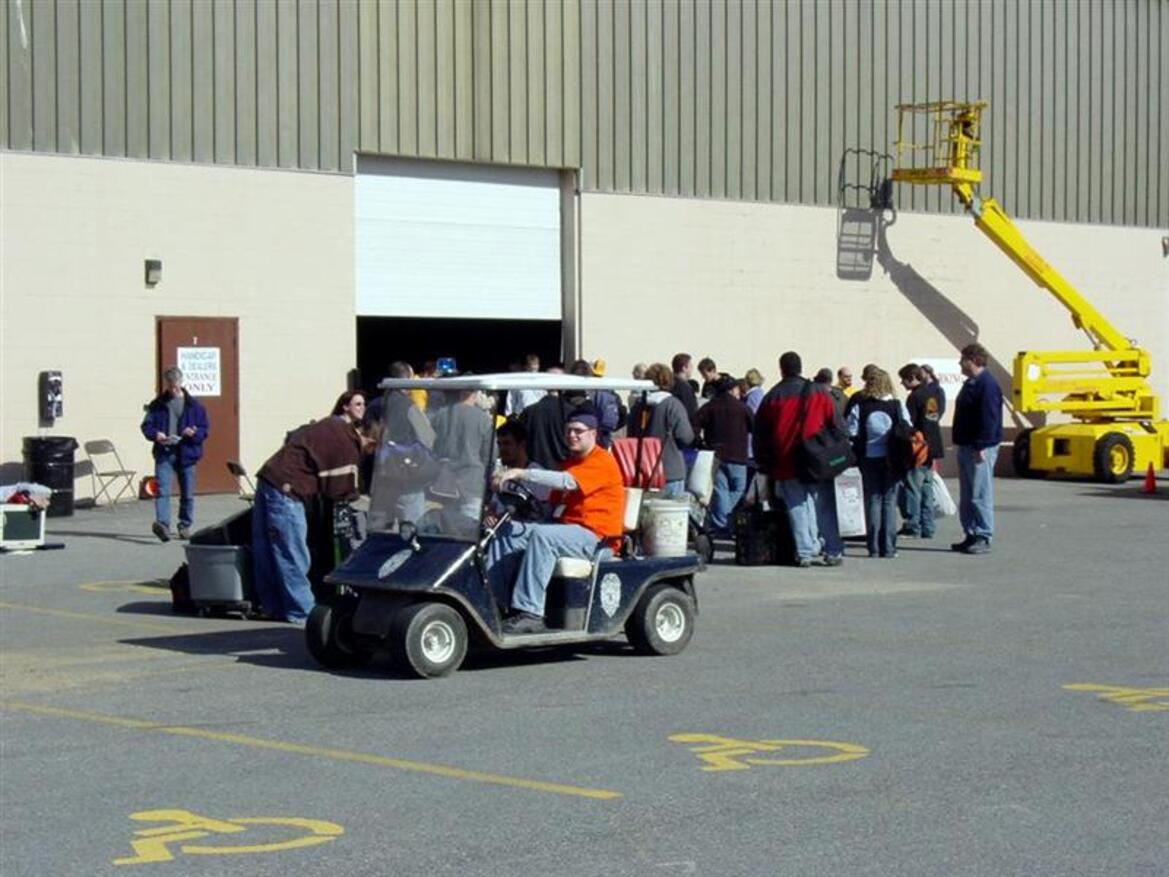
(200, 368)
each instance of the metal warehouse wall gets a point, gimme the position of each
(742, 99)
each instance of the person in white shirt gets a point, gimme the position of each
(518, 400)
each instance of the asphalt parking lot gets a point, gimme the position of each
(932, 715)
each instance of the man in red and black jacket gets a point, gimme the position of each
(811, 508)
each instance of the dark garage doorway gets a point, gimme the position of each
(480, 346)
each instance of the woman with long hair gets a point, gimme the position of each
(350, 405)
(871, 416)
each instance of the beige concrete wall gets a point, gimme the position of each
(744, 282)
(274, 249)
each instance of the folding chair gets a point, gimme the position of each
(243, 483)
(107, 475)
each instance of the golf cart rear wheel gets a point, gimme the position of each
(662, 623)
(328, 634)
(429, 639)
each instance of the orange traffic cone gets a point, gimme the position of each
(1150, 485)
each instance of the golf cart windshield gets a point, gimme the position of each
(432, 469)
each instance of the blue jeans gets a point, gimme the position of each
(280, 555)
(165, 469)
(917, 491)
(730, 483)
(801, 512)
(826, 521)
(535, 548)
(976, 491)
(880, 506)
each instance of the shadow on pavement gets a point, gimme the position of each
(117, 537)
(277, 646)
(149, 607)
(282, 647)
(1130, 493)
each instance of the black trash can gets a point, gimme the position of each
(48, 460)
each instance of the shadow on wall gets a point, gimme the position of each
(866, 213)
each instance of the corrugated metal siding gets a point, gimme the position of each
(292, 83)
(760, 99)
(739, 99)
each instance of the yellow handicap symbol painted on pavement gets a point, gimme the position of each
(1136, 700)
(732, 753)
(154, 844)
(153, 586)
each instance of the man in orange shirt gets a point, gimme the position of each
(589, 488)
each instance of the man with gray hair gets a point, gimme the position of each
(176, 425)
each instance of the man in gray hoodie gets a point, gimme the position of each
(664, 417)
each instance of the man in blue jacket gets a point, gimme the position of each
(978, 431)
(176, 425)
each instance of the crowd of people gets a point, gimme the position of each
(555, 444)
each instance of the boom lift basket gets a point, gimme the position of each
(938, 142)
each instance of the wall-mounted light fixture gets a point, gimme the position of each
(153, 271)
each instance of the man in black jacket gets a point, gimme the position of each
(926, 404)
(726, 422)
(682, 391)
(978, 431)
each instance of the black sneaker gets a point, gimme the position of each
(980, 545)
(524, 622)
(908, 531)
(161, 530)
(963, 545)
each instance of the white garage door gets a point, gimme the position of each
(445, 240)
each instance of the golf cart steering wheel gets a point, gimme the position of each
(516, 497)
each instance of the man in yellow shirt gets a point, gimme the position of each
(844, 381)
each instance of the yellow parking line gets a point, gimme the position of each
(86, 616)
(442, 770)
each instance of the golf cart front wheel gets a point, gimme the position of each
(662, 623)
(328, 634)
(429, 639)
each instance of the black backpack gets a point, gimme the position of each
(826, 454)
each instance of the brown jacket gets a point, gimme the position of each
(321, 458)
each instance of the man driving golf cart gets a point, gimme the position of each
(423, 589)
(589, 495)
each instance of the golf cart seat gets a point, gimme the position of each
(573, 568)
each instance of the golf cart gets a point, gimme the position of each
(418, 585)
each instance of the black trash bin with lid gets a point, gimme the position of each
(48, 460)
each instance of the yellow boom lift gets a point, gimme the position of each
(1114, 427)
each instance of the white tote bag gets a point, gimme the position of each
(943, 502)
(850, 502)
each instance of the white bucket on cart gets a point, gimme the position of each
(664, 527)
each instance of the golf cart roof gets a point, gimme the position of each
(516, 381)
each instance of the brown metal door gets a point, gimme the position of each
(207, 350)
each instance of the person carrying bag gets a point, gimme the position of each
(827, 453)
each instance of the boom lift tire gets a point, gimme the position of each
(329, 637)
(1112, 459)
(662, 622)
(428, 639)
(1021, 455)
